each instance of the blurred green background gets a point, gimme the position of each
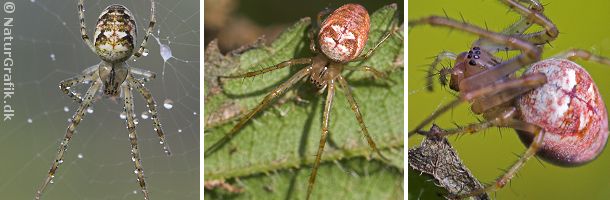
(47, 49)
(582, 25)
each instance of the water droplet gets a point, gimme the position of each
(179, 130)
(30, 120)
(168, 104)
(144, 115)
(164, 50)
(51, 182)
(66, 109)
(79, 156)
(123, 115)
(145, 52)
(89, 110)
(63, 23)
(133, 159)
(135, 121)
(135, 171)
(135, 192)
(32, 1)
(52, 57)
(195, 113)
(60, 161)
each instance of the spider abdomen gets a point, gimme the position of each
(115, 33)
(344, 33)
(570, 110)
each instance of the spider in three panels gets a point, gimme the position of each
(340, 39)
(114, 39)
(554, 105)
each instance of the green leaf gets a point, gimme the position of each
(271, 156)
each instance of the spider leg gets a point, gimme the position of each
(131, 127)
(89, 74)
(83, 26)
(573, 54)
(312, 30)
(325, 122)
(529, 16)
(530, 81)
(268, 99)
(432, 69)
(497, 121)
(390, 32)
(152, 109)
(529, 52)
(298, 61)
(492, 99)
(151, 25)
(538, 137)
(356, 109)
(63, 146)
(368, 69)
(550, 31)
(148, 75)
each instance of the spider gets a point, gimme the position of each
(114, 38)
(554, 105)
(341, 39)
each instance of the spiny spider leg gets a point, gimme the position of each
(538, 136)
(572, 54)
(432, 69)
(131, 127)
(518, 28)
(63, 146)
(541, 37)
(152, 109)
(268, 99)
(393, 29)
(151, 25)
(527, 81)
(83, 26)
(529, 52)
(350, 98)
(325, 122)
(376, 73)
(504, 120)
(89, 74)
(298, 61)
(498, 121)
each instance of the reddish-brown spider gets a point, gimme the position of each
(341, 39)
(554, 105)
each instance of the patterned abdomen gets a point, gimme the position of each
(115, 33)
(344, 33)
(569, 109)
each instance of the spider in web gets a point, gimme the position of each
(114, 38)
(341, 39)
(554, 105)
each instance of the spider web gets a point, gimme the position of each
(47, 48)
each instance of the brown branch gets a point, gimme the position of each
(437, 158)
